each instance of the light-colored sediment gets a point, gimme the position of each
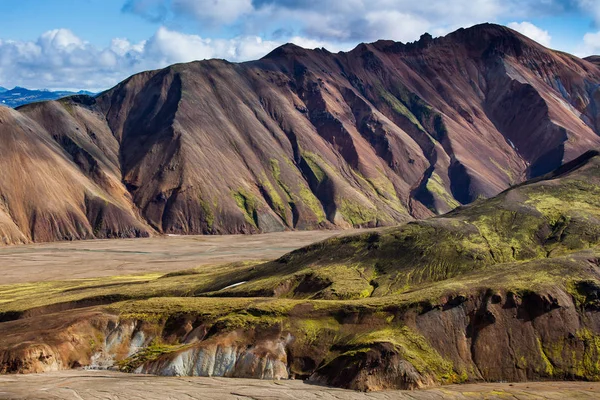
(96, 258)
(88, 385)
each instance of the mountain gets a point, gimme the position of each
(504, 289)
(593, 59)
(302, 139)
(19, 96)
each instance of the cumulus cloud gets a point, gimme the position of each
(590, 45)
(533, 32)
(351, 20)
(59, 59)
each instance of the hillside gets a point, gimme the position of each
(505, 289)
(305, 139)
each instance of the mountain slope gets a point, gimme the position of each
(545, 218)
(45, 194)
(306, 139)
(505, 289)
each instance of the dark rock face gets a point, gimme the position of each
(501, 337)
(378, 368)
(306, 139)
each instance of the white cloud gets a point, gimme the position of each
(395, 25)
(339, 20)
(59, 59)
(533, 32)
(590, 45)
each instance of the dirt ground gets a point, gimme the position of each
(95, 258)
(90, 385)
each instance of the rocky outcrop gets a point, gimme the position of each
(261, 359)
(486, 335)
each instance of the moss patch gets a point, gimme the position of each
(435, 185)
(247, 203)
(357, 214)
(313, 160)
(310, 200)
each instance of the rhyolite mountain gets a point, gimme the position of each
(503, 289)
(19, 96)
(300, 139)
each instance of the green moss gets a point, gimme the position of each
(549, 368)
(347, 282)
(274, 198)
(572, 197)
(310, 200)
(357, 214)
(209, 216)
(435, 186)
(590, 364)
(399, 107)
(275, 169)
(383, 188)
(148, 354)
(510, 236)
(313, 330)
(247, 203)
(313, 161)
(411, 346)
(507, 172)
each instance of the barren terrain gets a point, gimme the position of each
(86, 385)
(97, 258)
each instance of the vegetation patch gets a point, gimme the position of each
(274, 198)
(412, 347)
(399, 107)
(357, 214)
(310, 200)
(247, 203)
(435, 186)
(313, 160)
(148, 354)
(207, 212)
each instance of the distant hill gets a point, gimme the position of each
(19, 96)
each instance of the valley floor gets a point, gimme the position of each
(90, 385)
(97, 258)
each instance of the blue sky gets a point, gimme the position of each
(94, 44)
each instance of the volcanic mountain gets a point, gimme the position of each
(300, 139)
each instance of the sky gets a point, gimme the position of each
(94, 44)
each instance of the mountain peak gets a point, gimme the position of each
(286, 50)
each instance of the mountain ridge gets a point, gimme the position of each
(306, 139)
